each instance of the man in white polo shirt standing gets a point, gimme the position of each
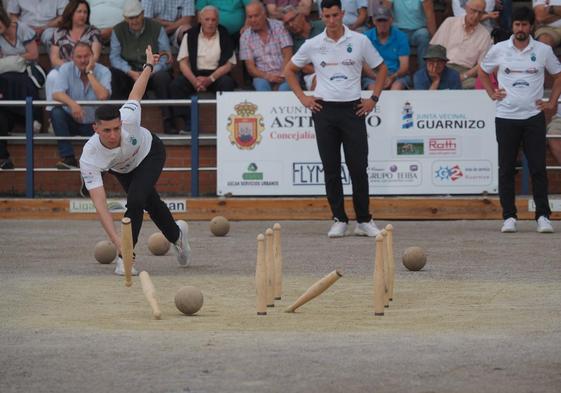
(521, 62)
(338, 55)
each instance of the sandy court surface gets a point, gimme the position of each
(483, 316)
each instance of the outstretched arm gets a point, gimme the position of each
(139, 87)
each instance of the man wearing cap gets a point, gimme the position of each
(338, 56)
(393, 46)
(128, 43)
(435, 75)
(466, 41)
(520, 63)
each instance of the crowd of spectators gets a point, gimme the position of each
(200, 43)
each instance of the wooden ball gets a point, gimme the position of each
(414, 258)
(219, 226)
(105, 252)
(158, 244)
(189, 300)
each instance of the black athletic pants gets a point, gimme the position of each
(531, 134)
(142, 195)
(336, 124)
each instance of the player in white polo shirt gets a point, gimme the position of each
(136, 158)
(338, 55)
(521, 62)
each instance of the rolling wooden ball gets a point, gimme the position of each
(158, 244)
(105, 252)
(189, 300)
(414, 258)
(219, 226)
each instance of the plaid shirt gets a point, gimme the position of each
(267, 56)
(170, 10)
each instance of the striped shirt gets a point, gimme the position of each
(170, 10)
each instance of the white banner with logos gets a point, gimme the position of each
(420, 142)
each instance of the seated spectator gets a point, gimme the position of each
(128, 47)
(356, 14)
(302, 28)
(206, 57)
(176, 16)
(17, 47)
(274, 7)
(231, 14)
(436, 75)
(393, 46)
(265, 47)
(416, 19)
(105, 14)
(488, 19)
(466, 41)
(554, 129)
(548, 17)
(74, 27)
(79, 80)
(43, 16)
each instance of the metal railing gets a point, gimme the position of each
(30, 137)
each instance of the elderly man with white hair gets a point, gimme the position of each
(206, 57)
(466, 41)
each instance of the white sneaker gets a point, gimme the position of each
(544, 225)
(366, 229)
(338, 229)
(181, 246)
(509, 226)
(120, 268)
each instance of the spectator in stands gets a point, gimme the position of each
(74, 27)
(356, 14)
(17, 46)
(488, 19)
(231, 14)
(554, 129)
(521, 63)
(274, 7)
(466, 41)
(548, 18)
(128, 43)
(302, 28)
(176, 16)
(105, 14)
(265, 47)
(435, 75)
(416, 19)
(206, 57)
(79, 80)
(393, 46)
(43, 16)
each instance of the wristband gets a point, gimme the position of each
(374, 98)
(148, 65)
(212, 78)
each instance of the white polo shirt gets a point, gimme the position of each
(338, 65)
(521, 74)
(136, 142)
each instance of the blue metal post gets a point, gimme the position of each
(29, 178)
(194, 146)
(525, 176)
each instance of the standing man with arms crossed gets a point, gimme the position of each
(135, 157)
(338, 55)
(521, 62)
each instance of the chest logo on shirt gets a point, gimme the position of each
(324, 64)
(349, 48)
(530, 71)
(533, 56)
(246, 126)
(132, 140)
(338, 76)
(348, 62)
(520, 84)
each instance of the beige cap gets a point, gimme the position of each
(132, 8)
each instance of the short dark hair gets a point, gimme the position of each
(330, 3)
(107, 112)
(523, 14)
